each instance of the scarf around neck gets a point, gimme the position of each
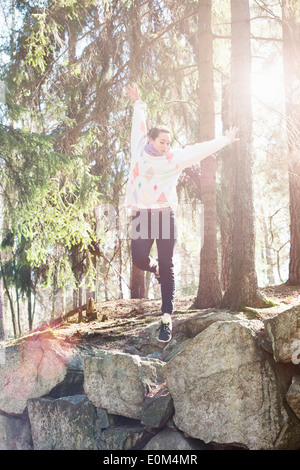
(152, 151)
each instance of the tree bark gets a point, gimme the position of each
(137, 285)
(268, 251)
(209, 290)
(11, 304)
(225, 200)
(137, 281)
(2, 331)
(243, 288)
(291, 61)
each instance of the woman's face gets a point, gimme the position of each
(162, 142)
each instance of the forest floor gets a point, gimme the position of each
(118, 320)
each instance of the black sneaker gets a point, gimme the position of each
(165, 330)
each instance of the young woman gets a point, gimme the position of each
(151, 195)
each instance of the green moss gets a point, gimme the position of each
(269, 303)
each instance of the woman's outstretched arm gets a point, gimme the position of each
(139, 128)
(193, 154)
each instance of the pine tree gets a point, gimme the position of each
(291, 58)
(243, 288)
(209, 291)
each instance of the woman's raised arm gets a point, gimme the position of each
(139, 127)
(133, 91)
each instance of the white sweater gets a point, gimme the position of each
(152, 180)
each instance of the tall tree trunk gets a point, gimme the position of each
(2, 331)
(225, 200)
(243, 289)
(11, 304)
(137, 281)
(18, 310)
(291, 61)
(137, 284)
(29, 310)
(268, 252)
(209, 291)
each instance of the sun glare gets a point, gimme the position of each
(268, 86)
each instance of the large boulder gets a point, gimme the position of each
(293, 396)
(225, 390)
(283, 331)
(157, 408)
(169, 439)
(67, 423)
(15, 433)
(32, 368)
(119, 382)
(197, 323)
(124, 437)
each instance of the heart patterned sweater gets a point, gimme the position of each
(152, 179)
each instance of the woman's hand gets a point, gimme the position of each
(231, 134)
(133, 91)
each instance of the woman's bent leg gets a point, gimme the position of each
(140, 253)
(141, 242)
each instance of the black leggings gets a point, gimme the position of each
(160, 225)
